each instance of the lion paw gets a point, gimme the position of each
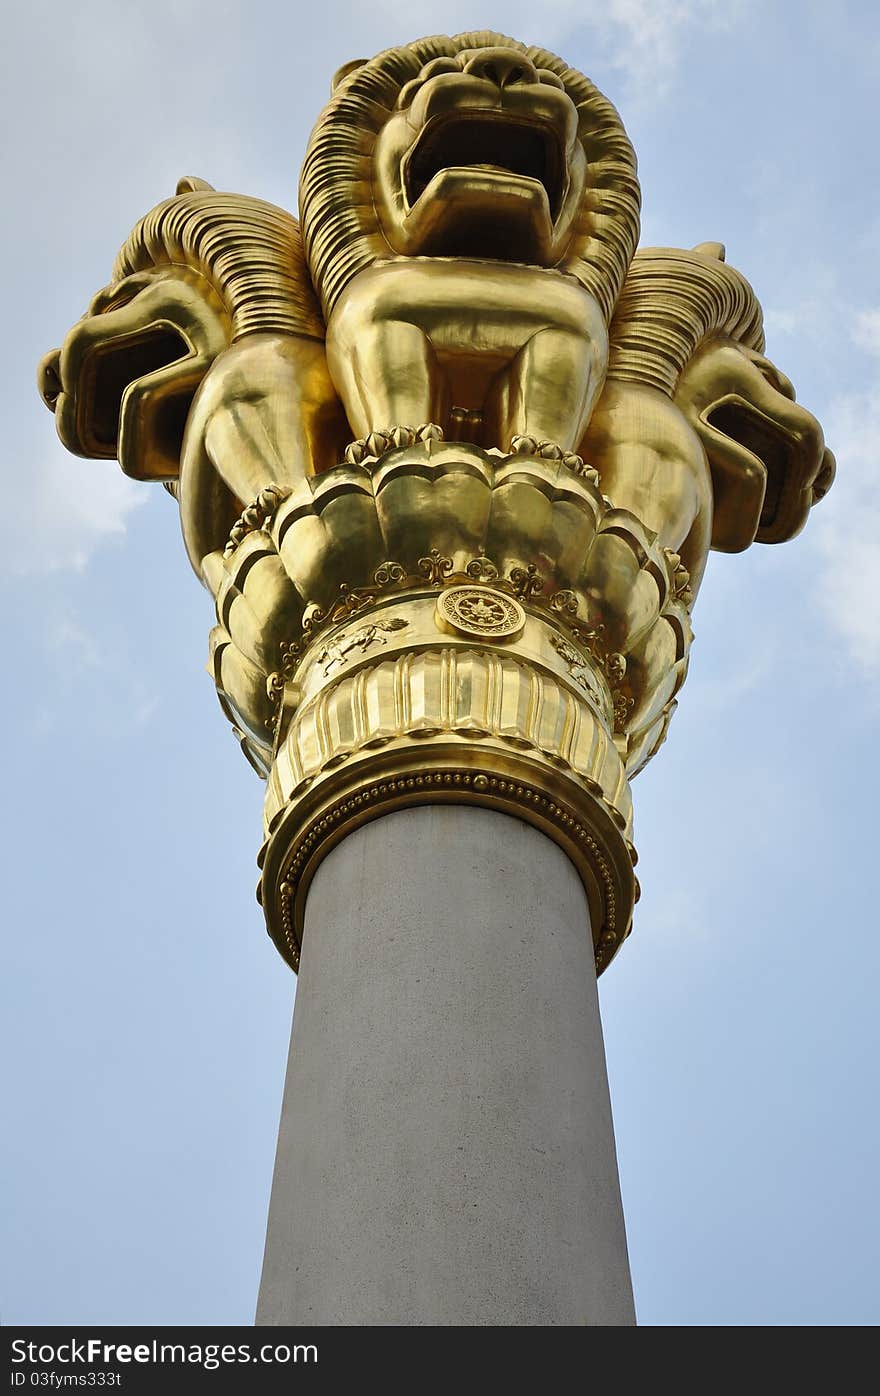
(389, 439)
(531, 446)
(548, 450)
(579, 467)
(376, 444)
(255, 516)
(524, 446)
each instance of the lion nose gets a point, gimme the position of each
(503, 66)
(825, 476)
(49, 378)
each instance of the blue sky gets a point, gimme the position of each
(147, 1013)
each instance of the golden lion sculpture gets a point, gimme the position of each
(464, 267)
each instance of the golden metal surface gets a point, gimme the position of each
(449, 453)
(404, 664)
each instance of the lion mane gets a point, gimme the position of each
(672, 302)
(248, 250)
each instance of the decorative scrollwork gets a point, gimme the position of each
(482, 569)
(351, 600)
(275, 687)
(435, 567)
(314, 617)
(565, 602)
(526, 581)
(387, 573)
(622, 706)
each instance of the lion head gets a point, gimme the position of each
(471, 146)
(691, 326)
(200, 271)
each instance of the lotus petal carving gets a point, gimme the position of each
(476, 513)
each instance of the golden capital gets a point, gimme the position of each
(449, 453)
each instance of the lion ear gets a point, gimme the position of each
(191, 184)
(344, 73)
(711, 249)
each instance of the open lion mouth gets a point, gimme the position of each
(111, 368)
(777, 452)
(492, 143)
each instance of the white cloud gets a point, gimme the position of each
(637, 37)
(803, 318)
(77, 656)
(847, 527)
(779, 322)
(646, 36)
(67, 636)
(866, 330)
(808, 316)
(71, 506)
(724, 691)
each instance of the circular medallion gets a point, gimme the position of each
(481, 613)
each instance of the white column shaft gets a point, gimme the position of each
(446, 1152)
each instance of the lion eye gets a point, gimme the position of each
(774, 376)
(407, 93)
(435, 69)
(551, 79)
(120, 293)
(438, 66)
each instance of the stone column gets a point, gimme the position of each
(446, 1151)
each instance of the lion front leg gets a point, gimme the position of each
(387, 375)
(548, 392)
(382, 362)
(389, 379)
(652, 463)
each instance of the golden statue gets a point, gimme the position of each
(449, 454)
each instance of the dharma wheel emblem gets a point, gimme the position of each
(481, 612)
